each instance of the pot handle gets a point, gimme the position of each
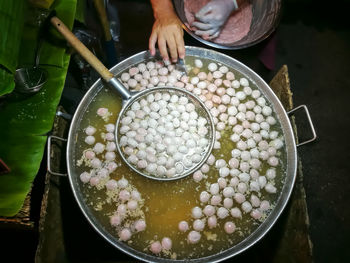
(314, 136)
(49, 154)
(64, 115)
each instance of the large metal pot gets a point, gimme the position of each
(290, 144)
(266, 16)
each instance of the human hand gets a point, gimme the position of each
(167, 32)
(212, 17)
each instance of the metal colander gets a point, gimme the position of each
(30, 80)
(201, 110)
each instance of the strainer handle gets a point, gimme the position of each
(90, 58)
(82, 49)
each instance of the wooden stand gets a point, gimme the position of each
(51, 246)
(21, 220)
(295, 245)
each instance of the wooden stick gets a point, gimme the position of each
(82, 49)
(103, 18)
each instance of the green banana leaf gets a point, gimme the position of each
(11, 20)
(79, 14)
(25, 120)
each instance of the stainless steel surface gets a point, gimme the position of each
(129, 97)
(119, 87)
(64, 115)
(198, 103)
(180, 66)
(49, 141)
(290, 166)
(314, 136)
(31, 79)
(266, 16)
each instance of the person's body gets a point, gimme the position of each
(167, 30)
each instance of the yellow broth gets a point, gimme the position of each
(168, 203)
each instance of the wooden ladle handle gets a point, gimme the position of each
(82, 49)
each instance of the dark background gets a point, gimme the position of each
(313, 40)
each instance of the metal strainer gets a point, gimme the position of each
(31, 79)
(129, 98)
(185, 169)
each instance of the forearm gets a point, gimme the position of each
(162, 8)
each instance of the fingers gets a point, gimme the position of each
(215, 35)
(180, 45)
(204, 10)
(171, 42)
(152, 43)
(207, 18)
(209, 32)
(162, 45)
(176, 46)
(201, 26)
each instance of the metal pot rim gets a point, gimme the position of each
(291, 162)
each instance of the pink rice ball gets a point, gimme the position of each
(156, 247)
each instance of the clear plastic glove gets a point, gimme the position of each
(212, 17)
